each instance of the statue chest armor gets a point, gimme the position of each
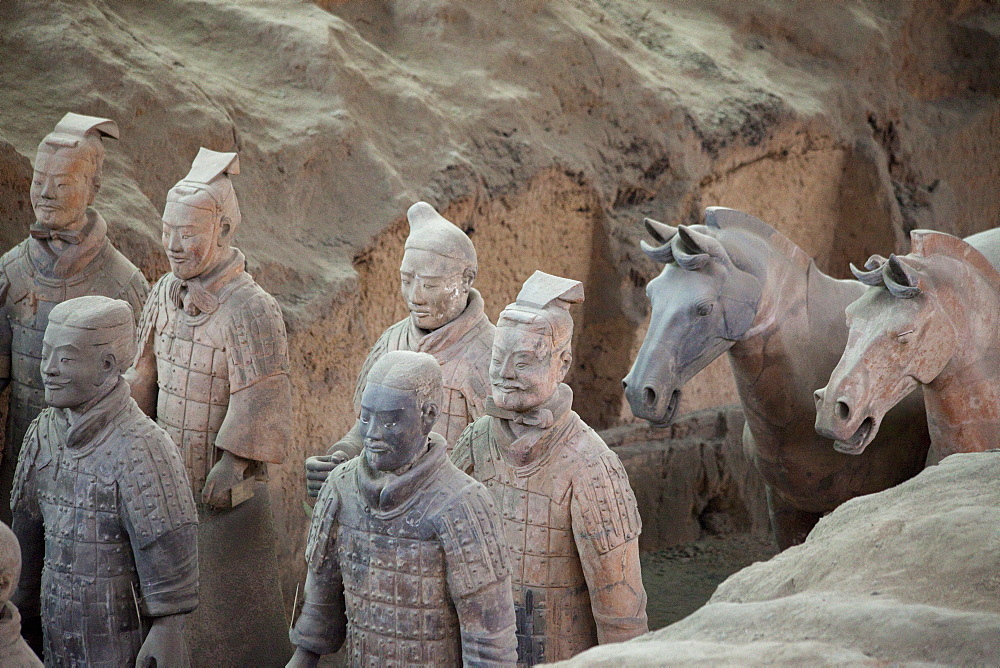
(89, 579)
(193, 380)
(31, 298)
(395, 587)
(551, 599)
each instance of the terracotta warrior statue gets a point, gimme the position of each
(14, 651)
(67, 255)
(570, 515)
(446, 320)
(406, 553)
(102, 508)
(213, 370)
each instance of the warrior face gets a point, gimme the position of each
(74, 372)
(525, 371)
(436, 288)
(194, 240)
(394, 426)
(62, 187)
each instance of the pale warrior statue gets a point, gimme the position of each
(213, 370)
(570, 516)
(406, 554)
(68, 254)
(102, 508)
(446, 320)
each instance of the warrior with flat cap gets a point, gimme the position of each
(213, 370)
(446, 320)
(101, 503)
(406, 554)
(570, 516)
(68, 254)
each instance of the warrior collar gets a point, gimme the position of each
(542, 422)
(447, 335)
(84, 434)
(82, 249)
(201, 294)
(387, 493)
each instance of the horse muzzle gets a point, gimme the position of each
(652, 401)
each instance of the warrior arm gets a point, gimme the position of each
(258, 423)
(461, 454)
(351, 444)
(142, 376)
(606, 529)
(28, 525)
(471, 534)
(6, 335)
(168, 572)
(322, 626)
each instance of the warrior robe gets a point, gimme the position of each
(216, 346)
(107, 527)
(33, 279)
(572, 526)
(462, 348)
(410, 568)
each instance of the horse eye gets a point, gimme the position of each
(904, 337)
(705, 309)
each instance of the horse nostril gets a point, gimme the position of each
(649, 396)
(843, 410)
(818, 396)
(624, 384)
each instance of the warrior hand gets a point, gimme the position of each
(318, 469)
(226, 474)
(164, 646)
(303, 658)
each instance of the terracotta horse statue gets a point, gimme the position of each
(931, 319)
(736, 285)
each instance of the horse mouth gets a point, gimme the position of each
(856, 444)
(668, 416)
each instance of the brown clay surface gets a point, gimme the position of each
(548, 128)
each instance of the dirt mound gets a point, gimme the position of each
(911, 574)
(547, 129)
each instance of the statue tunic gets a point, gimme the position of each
(412, 565)
(33, 279)
(107, 524)
(218, 342)
(572, 527)
(462, 348)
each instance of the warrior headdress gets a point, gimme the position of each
(208, 187)
(542, 307)
(430, 231)
(78, 137)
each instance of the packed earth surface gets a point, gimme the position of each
(548, 129)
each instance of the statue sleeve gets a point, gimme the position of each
(461, 454)
(606, 529)
(142, 376)
(258, 422)
(136, 293)
(160, 517)
(322, 625)
(28, 526)
(471, 534)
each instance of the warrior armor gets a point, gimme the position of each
(461, 347)
(106, 500)
(27, 295)
(572, 526)
(418, 566)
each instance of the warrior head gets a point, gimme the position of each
(88, 344)
(68, 168)
(202, 215)
(532, 351)
(10, 563)
(399, 406)
(438, 269)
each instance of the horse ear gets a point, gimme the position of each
(661, 232)
(662, 254)
(873, 276)
(697, 243)
(901, 280)
(875, 262)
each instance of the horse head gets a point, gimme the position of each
(900, 336)
(702, 303)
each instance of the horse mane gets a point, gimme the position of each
(924, 243)
(722, 218)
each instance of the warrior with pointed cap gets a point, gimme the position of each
(446, 320)
(68, 254)
(406, 554)
(570, 516)
(213, 370)
(102, 507)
